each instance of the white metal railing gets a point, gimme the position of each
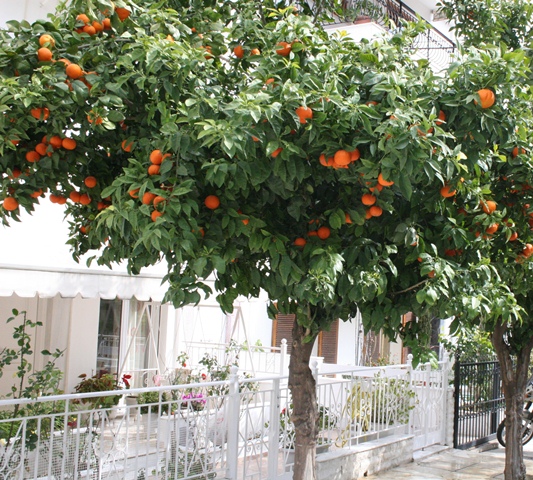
(236, 429)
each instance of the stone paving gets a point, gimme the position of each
(452, 464)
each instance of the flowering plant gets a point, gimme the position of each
(195, 401)
(102, 382)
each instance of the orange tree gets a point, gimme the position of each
(241, 141)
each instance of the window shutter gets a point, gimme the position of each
(328, 343)
(282, 329)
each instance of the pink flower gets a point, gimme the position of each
(157, 380)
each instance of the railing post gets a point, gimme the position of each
(232, 452)
(273, 431)
(283, 357)
(411, 426)
(444, 386)
(456, 393)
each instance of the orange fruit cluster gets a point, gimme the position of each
(43, 148)
(341, 158)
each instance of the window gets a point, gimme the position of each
(128, 339)
(327, 342)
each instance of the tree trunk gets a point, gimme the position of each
(305, 410)
(514, 380)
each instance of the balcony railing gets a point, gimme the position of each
(433, 45)
(236, 429)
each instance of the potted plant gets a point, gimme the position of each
(101, 382)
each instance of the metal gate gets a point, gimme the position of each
(479, 402)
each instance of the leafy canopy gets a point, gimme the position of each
(165, 77)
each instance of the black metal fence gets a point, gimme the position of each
(479, 402)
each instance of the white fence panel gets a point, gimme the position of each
(239, 429)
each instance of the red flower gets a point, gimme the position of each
(184, 364)
(204, 376)
(125, 380)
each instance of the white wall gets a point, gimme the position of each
(82, 339)
(29, 10)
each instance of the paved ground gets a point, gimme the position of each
(451, 464)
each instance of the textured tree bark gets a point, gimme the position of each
(514, 380)
(305, 410)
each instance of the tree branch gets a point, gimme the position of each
(412, 287)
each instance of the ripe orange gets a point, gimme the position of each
(74, 196)
(32, 156)
(269, 81)
(342, 158)
(122, 13)
(126, 146)
(10, 204)
(528, 250)
(44, 54)
(83, 18)
(255, 51)
(446, 191)
(154, 170)
(347, 218)
(16, 173)
(382, 181)
(94, 118)
(492, 228)
(40, 113)
(517, 152)
(276, 152)
(68, 143)
(441, 118)
(89, 30)
(37, 193)
(487, 98)
(238, 51)
(157, 200)
(212, 202)
(431, 274)
(55, 141)
(304, 114)
(323, 232)
(85, 199)
(148, 198)
(155, 215)
(375, 211)
(355, 155)
(377, 187)
(74, 71)
(133, 193)
(488, 206)
(513, 236)
(98, 26)
(46, 39)
(299, 242)
(41, 148)
(156, 157)
(284, 50)
(106, 22)
(368, 199)
(90, 182)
